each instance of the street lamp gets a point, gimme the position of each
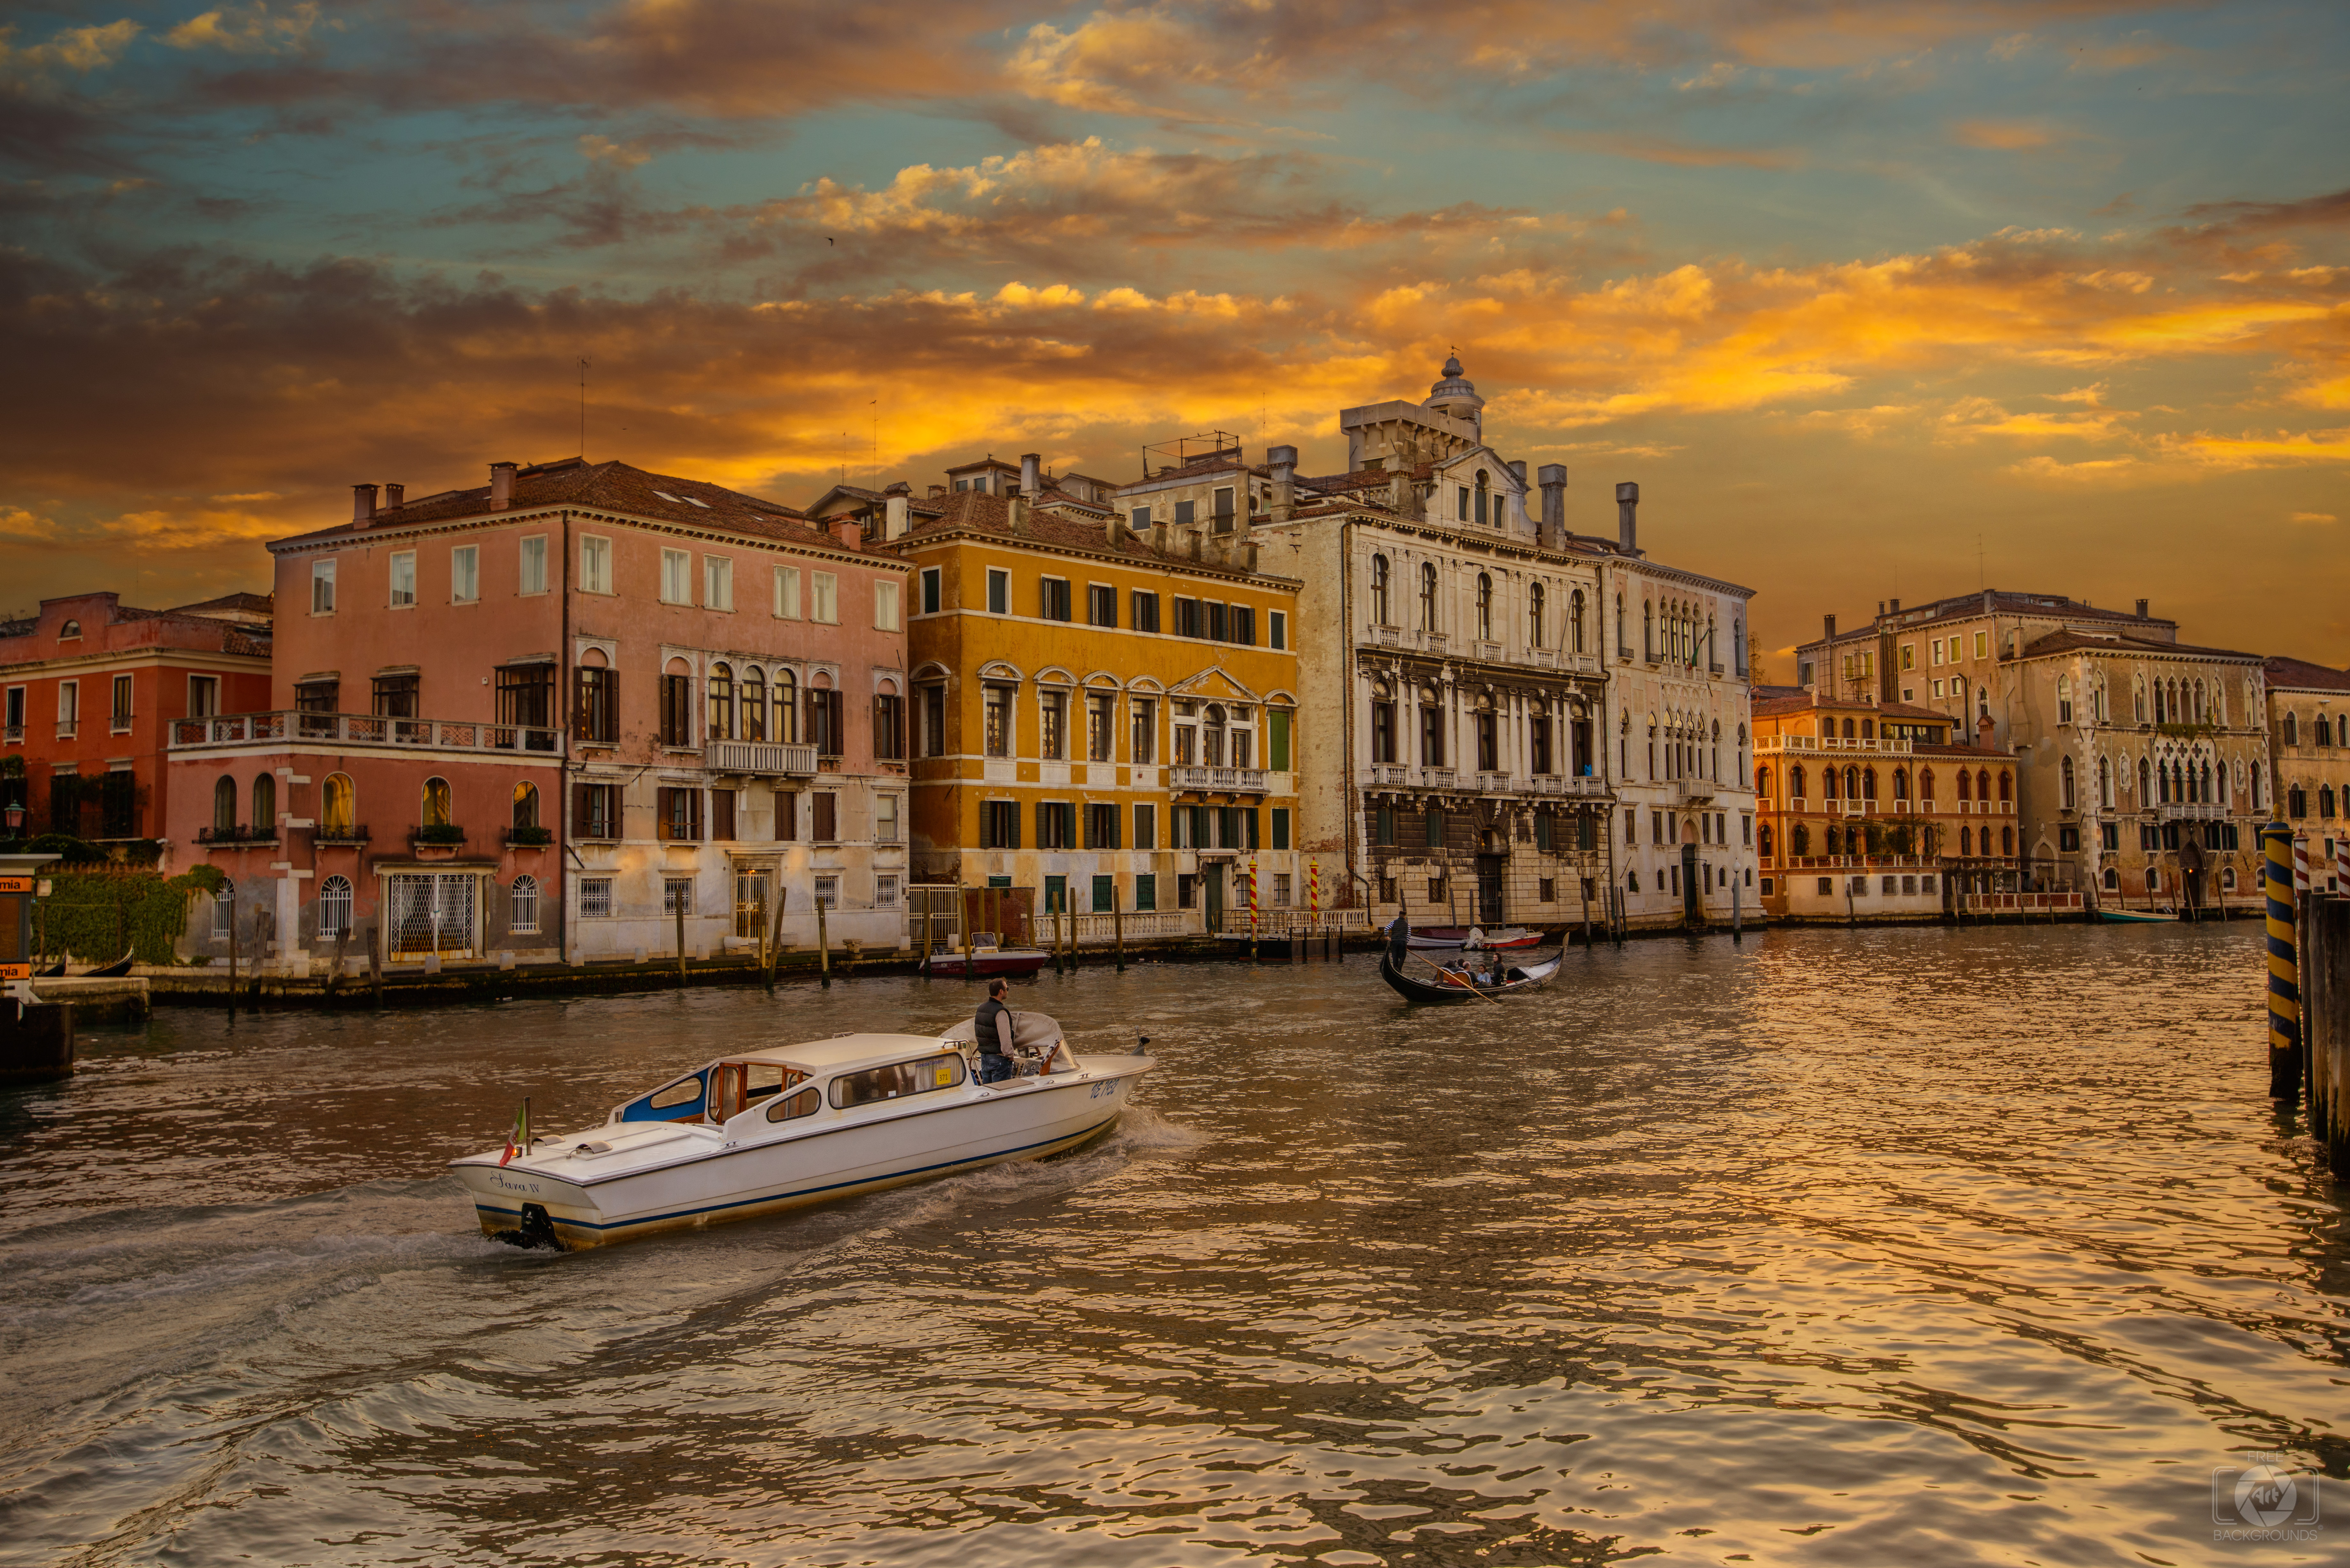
(15, 814)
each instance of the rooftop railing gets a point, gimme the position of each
(290, 726)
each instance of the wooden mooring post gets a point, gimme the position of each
(823, 947)
(2285, 979)
(2325, 1024)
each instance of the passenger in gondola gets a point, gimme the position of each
(991, 1031)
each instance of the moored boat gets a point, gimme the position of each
(988, 960)
(756, 1132)
(2138, 917)
(1458, 981)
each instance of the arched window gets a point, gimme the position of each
(1828, 784)
(1925, 784)
(1799, 841)
(1535, 598)
(1852, 783)
(1575, 622)
(1647, 630)
(2145, 787)
(225, 805)
(1620, 643)
(1379, 616)
(2325, 800)
(1900, 783)
(334, 906)
(1484, 594)
(1869, 729)
(1982, 784)
(1868, 784)
(787, 708)
(434, 803)
(2104, 781)
(2064, 698)
(1762, 783)
(2292, 727)
(754, 704)
(1847, 730)
(2006, 785)
(1212, 736)
(337, 806)
(1763, 842)
(2064, 772)
(1795, 782)
(2006, 841)
(2113, 879)
(264, 804)
(1959, 694)
(1966, 788)
(722, 702)
(1428, 596)
(1967, 838)
(525, 804)
(522, 913)
(1484, 485)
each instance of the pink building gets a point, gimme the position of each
(554, 717)
(90, 687)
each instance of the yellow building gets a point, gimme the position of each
(1107, 722)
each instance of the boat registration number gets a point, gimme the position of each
(1100, 1089)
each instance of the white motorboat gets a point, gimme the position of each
(755, 1132)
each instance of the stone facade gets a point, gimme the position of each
(2309, 750)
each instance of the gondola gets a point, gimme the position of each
(114, 971)
(1457, 988)
(2138, 917)
(1438, 937)
(51, 971)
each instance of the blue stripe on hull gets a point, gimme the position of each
(486, 1210)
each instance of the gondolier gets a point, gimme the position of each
(991, 1031)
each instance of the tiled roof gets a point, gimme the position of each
(1363, 478)
(2300, 675)
(978, 510)
(609, 486)
(2066, 640)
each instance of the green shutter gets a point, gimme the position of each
(1280, 827)
(1277, 746)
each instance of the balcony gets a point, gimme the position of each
(2192, 811)
(1825, 743)
(340, 729)
(1388, 636)
(1490, 652)
(1492, 783)
(768, 758)
(340, 833)
(1381, 775)
(1435, 778)
(1241, 781)
(1558, 783)
(239, 837)
(1433, 641)
(1690, 791)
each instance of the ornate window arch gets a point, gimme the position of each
(1379, 614)
(334, 906)
(265, 804)
(339, 805)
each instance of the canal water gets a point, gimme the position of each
(1882, 1247)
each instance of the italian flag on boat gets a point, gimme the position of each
(518, 1139)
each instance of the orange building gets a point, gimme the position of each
(1867, 808)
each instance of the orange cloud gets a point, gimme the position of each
(2002, 135)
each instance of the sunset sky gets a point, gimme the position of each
(1873, 300)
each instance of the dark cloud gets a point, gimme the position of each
(2253, 217)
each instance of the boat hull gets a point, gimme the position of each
(1445, 994)
(2138, 917)
(710, 1182)
(991, 962)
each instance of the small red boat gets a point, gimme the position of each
(990, 960)
(1500, 941)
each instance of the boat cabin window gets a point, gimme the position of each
(678, 1102)
(792, 1107)
(767, 1078)
(899, 1079)
(736, 1085)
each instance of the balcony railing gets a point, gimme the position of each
(355, 834)
(1492, 783)
(2192, 811)
(1558, 783)
(759, 757)
(1694, 789)
(240, 836)
(1246, 781)
(1436, 778)
(1825, 743)
(1385, 773)
(363, 730)
(1387, 636)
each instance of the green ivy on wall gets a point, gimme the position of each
(93, 914)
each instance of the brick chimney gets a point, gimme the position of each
(363, 504)
(394, 496)
(1283, 462)
(1627, 519)
(2141, 610)
(502, 477)
(1031, 480)
(848, 533)
(1553, 531)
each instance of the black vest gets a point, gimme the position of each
(983, 1026)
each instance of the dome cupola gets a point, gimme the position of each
(1456, 395)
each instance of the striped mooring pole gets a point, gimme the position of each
(2284, 974)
